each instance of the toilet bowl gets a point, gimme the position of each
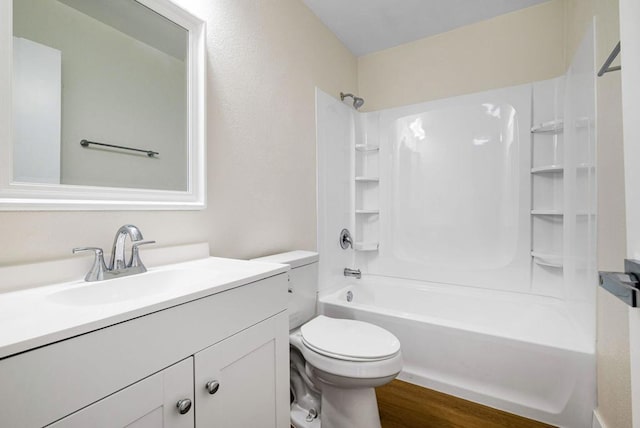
(346, 360)
(335, 363)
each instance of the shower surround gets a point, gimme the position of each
(474, 227)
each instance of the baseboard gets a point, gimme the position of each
(597, 421)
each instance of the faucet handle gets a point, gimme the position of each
(135, 254)
(96, 273)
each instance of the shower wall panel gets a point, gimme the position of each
(455, 190)
(335, 134)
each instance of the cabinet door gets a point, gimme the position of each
(251, 371)
(150, 403)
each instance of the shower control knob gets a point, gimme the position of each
(184, 406)
(212, 386)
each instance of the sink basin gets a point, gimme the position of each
(47, 302)
(144, 285)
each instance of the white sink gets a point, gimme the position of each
(148, 284)
(44, 314)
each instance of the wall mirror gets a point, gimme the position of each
(105, 105)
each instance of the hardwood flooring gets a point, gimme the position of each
(404, 405)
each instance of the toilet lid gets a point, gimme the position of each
(349, 339)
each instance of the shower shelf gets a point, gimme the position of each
(546, 212)
(366, 208)
(367, 179)
(549, 260)
(366, 246)
(551, 127)
(366, 148)
(558, 213)
(547, 168)
(557, 168)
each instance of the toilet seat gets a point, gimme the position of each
(347, 368)
(349, 340)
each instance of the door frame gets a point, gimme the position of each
(630, 60)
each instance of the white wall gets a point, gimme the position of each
(512, 49)
(261, 141)
(613, 361)
(116, 90)
(266, 60)
(630, 62)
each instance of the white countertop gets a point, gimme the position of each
(42, 315)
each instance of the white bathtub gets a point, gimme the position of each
(519, 353)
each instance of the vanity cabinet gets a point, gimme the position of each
(235, 378)
(134, 373)
(150, 403)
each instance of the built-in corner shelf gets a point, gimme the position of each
(367, 179)
(546, 169)
(367, 148)
(558, 213)
(557, 168)
(548, 260)
(366, 246)
(550, 127)
(547, 212)
(367, 207)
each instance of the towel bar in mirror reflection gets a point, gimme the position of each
(134, 79)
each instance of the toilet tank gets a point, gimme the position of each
(303, 284)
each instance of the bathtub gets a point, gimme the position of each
(520, 353)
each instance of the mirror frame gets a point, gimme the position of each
(16, 196)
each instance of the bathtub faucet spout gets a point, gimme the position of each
(353, 272)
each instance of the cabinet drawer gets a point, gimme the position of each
(48, 383)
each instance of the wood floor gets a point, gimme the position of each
(403, 405)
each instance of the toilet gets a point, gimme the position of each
(335, 363)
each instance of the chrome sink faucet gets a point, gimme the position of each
(118, 266)
(117, 251)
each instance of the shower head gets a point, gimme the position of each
(357, 101)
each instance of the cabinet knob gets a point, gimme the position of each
(184, 406)
(212, 386)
